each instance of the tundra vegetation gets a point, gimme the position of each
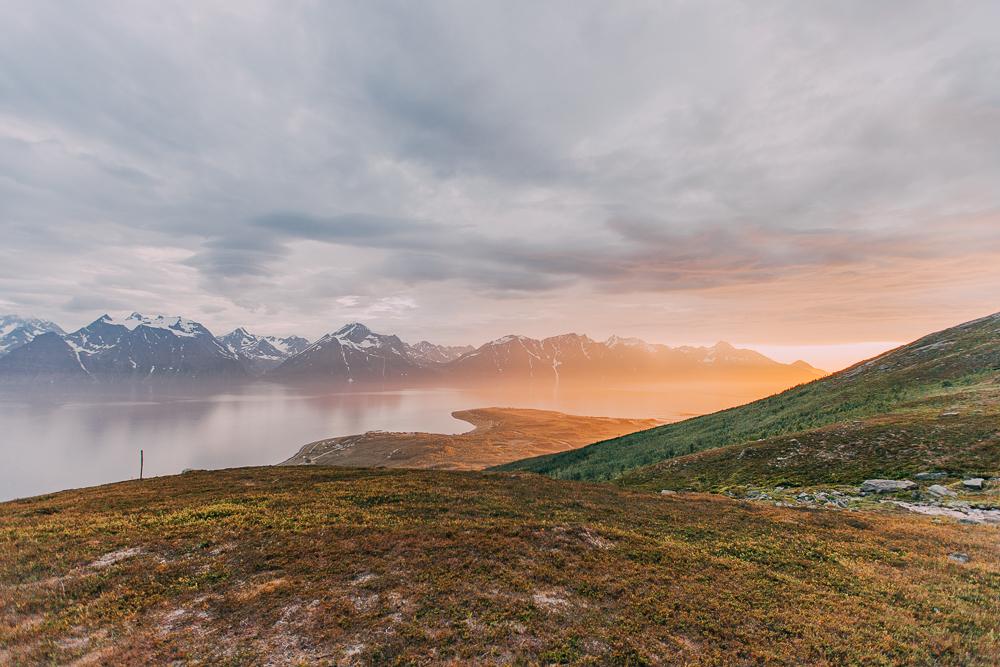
(320, 565)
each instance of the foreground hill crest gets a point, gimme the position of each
(331, 566)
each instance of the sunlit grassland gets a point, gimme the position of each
(400, 567)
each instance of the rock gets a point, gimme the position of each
(887, 485)
(667, 492)
(975, 483)
(949, 414)
(926, 476)
(959, 557)
(938, 490)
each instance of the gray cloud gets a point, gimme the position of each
(267, 160)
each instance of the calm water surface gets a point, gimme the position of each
(48, 443)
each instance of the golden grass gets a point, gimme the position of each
(309, 565)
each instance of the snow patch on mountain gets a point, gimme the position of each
(176, 324)
(261, 353)
(17, 331)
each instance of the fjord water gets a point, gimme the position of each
(50, 442)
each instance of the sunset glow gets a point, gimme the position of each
(499, 332)
(483, 170)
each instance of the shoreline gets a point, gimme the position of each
(499, 435)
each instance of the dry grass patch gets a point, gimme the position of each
(346, 566)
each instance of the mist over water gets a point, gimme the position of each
(50, 442)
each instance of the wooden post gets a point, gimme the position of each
(140, 464)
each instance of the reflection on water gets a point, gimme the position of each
(51, 442)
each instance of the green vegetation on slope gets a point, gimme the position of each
(348, 566)
(962, 356)
(956, 432)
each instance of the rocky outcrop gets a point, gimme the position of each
(887, 485)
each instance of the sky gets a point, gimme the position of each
(816, 180)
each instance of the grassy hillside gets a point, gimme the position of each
(955, 432)
(928, 370)
(347, 566)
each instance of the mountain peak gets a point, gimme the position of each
(176, 324)
(615, 341)
(16, 331)
(509, 338)
(352, 331)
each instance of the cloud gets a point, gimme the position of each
(482, 158)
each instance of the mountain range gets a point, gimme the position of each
(143, 347)
(577, 358)
(135, 347)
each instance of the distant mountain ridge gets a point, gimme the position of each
(139, 347)
(575, 357)
(134, 347)
(425, 353)
(352, 353)
(17, 331)
(355, 353)
(262, 353)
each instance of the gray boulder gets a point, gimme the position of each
(887, 485)
(927, 476)
(938, 490)
(959, 557)
(975, 483)
(667, 492)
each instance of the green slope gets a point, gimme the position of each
(956, 432)
(929, 369)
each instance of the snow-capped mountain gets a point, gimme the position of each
(428, 354)
(352, 353)
(46, 359)
(17, 331)
(134, 347)
(140, 347)
(573, 357)
(262, 353)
